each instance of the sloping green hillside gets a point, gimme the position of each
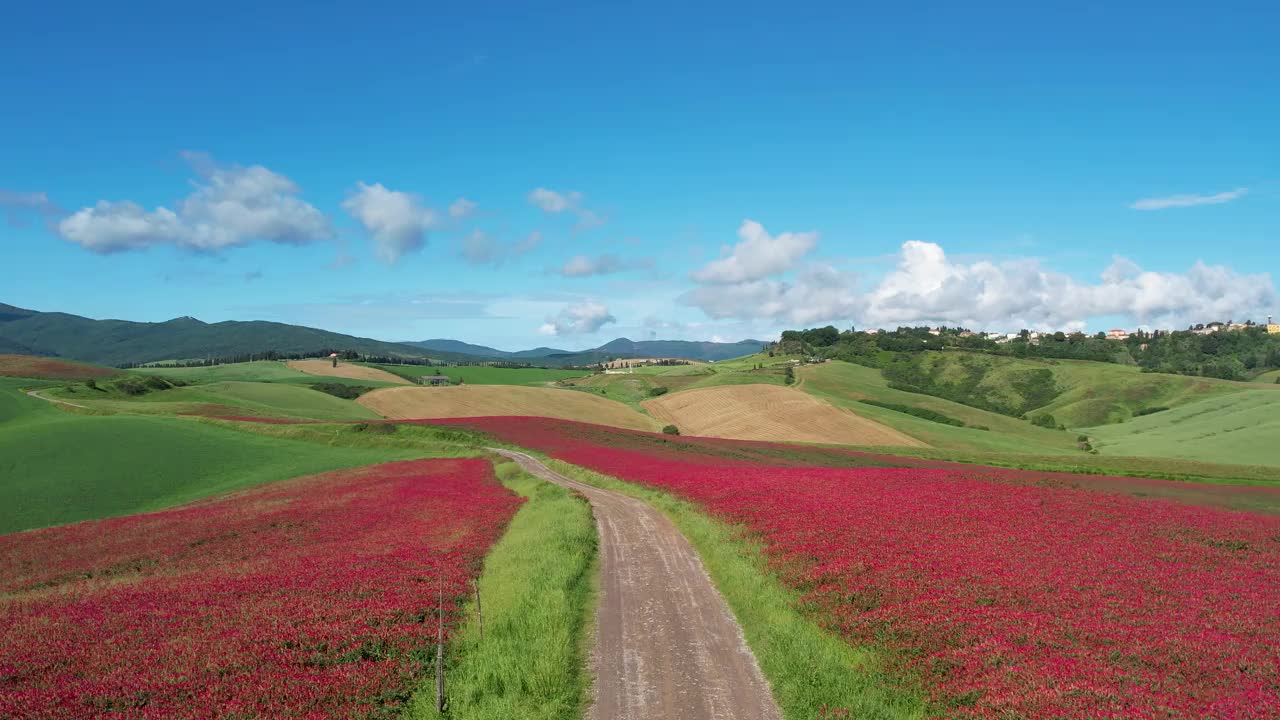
(1236, 428)
(1078, 393)
(845, 384)
(275, 400)
(57, 466)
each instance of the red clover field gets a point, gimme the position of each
(309, 598)
(1004, 593)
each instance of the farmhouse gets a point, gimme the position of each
(1117, 335)
(1272, 327)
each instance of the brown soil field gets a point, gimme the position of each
(486, 400)
(346, 370)
(30, 366)
(769, 412)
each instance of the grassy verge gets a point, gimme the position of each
(537, 593)
(1085, 464)
(807, 667)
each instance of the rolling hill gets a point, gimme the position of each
(117, 342)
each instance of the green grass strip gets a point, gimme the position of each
(807, 667)
(537, 592)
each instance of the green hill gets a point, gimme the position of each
(1235, 428)
(1077, 393)
(58, 466)
(848, 385)
(117, 342)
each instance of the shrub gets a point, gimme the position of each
(376, 428)
(916, 411)
(790, 375)
(91, 384)
(671, 430)
(346, 392)
(1044, 420)
(1150, 410)
(656, 391)
(1082, 438)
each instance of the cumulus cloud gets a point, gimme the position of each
(553, 202)
(757, 255)
(1172, 201)
(818, 293)
(397, 221)
(586, 266)
(928, 287)
(462, 208)
(581, 319)
(232, 206)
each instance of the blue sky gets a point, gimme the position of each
(641, 169)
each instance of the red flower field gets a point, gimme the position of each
(310, 598)
(1008, 594)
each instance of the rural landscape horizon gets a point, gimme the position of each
(640, 362)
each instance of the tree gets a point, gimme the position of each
(671, 430)
(790, 375)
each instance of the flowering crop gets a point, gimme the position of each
(310, 598)
(1006, 593)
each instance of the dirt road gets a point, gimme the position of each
(667, 646)
(36, 394)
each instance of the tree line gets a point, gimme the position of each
(1228, 354)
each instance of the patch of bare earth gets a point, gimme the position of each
(769, 412)
(346, 370)
(460, 401)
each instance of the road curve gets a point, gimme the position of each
(36, 394)
(667, 645)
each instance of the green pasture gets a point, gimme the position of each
(1241, 427)
(59, 466)
(485, 375)
(258, 399)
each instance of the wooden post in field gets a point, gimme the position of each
(479, 609)
(440, 645)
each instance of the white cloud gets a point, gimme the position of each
(530, 241)
(396, 221)
(233, 206)
(927, 287)
(1172, 201)
(481, 248)
(819, 293)
(15, 204)
(581, 319)
(462, 208)
(586, 266)
(757, 255)
(554, 202)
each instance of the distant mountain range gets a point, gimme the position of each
(119, 342)
(621, 347)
